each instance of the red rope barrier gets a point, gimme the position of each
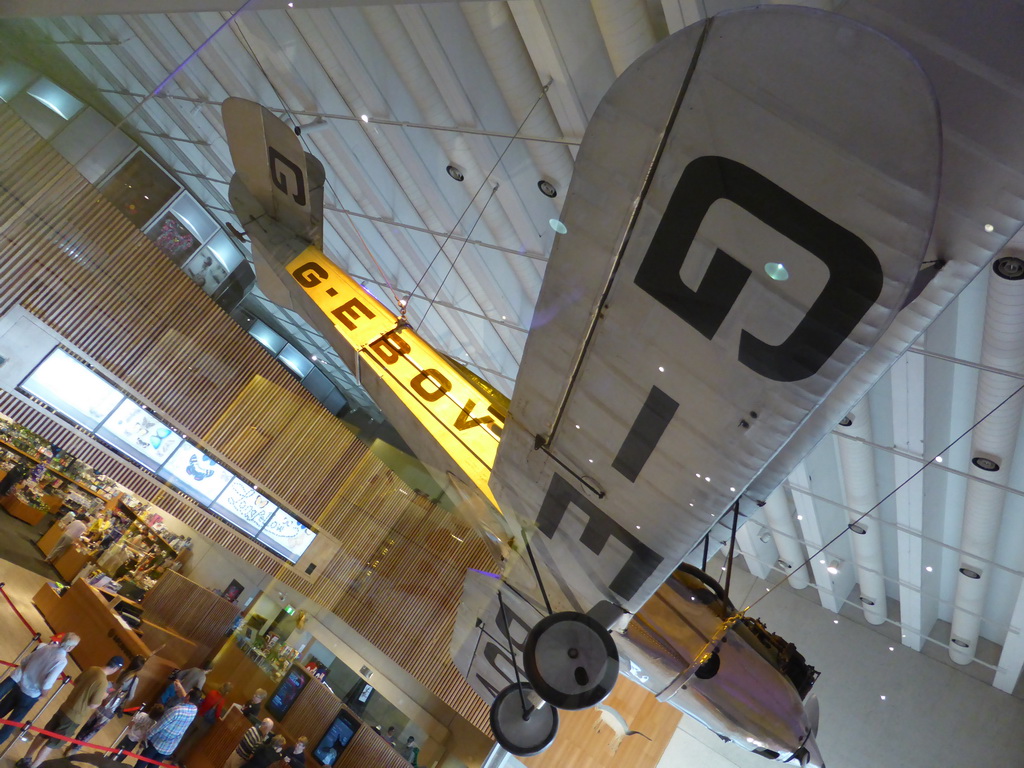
(51, 734)
(17, 612)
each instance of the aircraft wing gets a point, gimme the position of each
(750, 208)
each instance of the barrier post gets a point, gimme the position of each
(36, 639)
(64, 680)
(16, 739)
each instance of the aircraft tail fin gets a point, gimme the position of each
(270, 162)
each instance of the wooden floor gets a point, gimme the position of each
(585, 740)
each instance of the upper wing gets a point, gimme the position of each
(670, 365)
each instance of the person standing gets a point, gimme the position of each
(209, 712)
(411, 751)
(296, 756)
(90, 688)
(123, 691)
(253, 739)
(139, 729)
(71, 534)
(194, 677)
(34, 677)
(266, 754)
(167, 733)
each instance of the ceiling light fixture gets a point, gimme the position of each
(833, 568)
(970, 573)
(547, 188)
(455, 173)
(558, 226)
(776, 271)
(985, 464)
(928, 568)
(365, 118)
(858, 529)
(989, 228)
(846, 421)
(959, 642)
(938, 459)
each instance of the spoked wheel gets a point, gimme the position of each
(522, 732)
(571, 660)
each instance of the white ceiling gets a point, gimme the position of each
(445, 84)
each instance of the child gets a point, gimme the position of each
(139, 728)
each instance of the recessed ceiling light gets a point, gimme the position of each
(697, 474)
(928, 568)
(989, 228)
(577, 426)
(547, 188)
(558, 226)
(833, 568)
(291, 5)
(591, 461)
(822, 562)
(799, 517)
(691, 503)
(892, 648)
(835, 621)
(661, 368)
(455, 173)
(732, 489)
(365, 118)
(985, 464)
(938, 459)
(503, 317)
(970, 573)
(638, 527)
(961, 643)
(883, 697)
(313, 358)
(776, 271)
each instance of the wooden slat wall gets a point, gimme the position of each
(74, 261)
(312, 713)
(368, 750)
(189, 609)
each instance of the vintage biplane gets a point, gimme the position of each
(761, 220)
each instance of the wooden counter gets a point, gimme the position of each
(19, 509)
(216, 746)
(48, 540)
(83, 610)
(72, 562)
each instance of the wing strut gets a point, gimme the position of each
(536, 572)
(732, 545)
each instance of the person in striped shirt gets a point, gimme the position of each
(253, 739)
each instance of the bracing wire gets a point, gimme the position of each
(893, 492)
(479, 189)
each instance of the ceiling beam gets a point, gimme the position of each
(40, 8)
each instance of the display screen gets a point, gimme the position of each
(139, 434)
(336, 739)
(196, 473)
(244, 507)
(286, 536)
(72, 388)
(287, 691)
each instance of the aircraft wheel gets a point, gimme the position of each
(523, 733)
(571, 660)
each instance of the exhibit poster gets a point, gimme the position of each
(244, 507)
(287, 691)
(195, 473)
(138, 433)
(71, 388)
(286, 536)
(336, 739)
